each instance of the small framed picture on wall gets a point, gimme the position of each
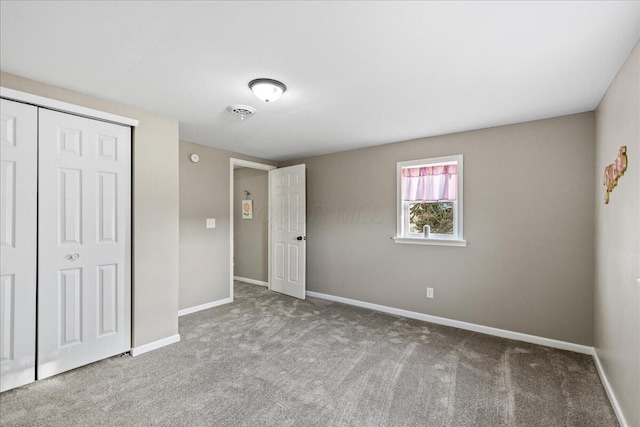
(247, 209)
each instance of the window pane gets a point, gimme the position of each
(437, 215)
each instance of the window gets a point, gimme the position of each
(430, 202)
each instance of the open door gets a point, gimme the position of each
(288, 227)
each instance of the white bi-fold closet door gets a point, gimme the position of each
(18, 268)
(84, 205)
(83, 246)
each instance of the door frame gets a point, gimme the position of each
(235, 164)
(65, 107)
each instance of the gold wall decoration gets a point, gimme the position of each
(247, 209)
(614, 171)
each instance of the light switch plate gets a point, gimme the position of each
(211, 223)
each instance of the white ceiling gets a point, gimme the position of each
(358, 73)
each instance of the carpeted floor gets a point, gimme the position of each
(271, 360)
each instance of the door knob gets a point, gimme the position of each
(301, 238)
(74, 257)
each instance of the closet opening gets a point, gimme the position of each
(65, 268)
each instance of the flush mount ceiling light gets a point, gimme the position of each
(267, 90)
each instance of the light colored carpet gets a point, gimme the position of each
(270, 360)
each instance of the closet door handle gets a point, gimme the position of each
(74, 257)
(301, 238)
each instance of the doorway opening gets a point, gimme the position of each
(249, 223)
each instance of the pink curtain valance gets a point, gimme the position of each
(430, 183)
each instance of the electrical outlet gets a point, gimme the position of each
(429, 292)
(211, 223)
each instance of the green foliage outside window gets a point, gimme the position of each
(437, 215)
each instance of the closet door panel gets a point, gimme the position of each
(84, 310)
(18, 206)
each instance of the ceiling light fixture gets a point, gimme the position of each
(267, 90)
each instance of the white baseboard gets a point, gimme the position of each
(204, 306)
(612, 397)
(252, 281)
(137, 351)
(563, 345)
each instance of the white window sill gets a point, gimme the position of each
(433, 242)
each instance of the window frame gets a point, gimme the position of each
(402, 227)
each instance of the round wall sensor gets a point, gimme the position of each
(195, 158)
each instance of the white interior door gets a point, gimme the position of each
(84, 291)
(18, 201)
(287, 188)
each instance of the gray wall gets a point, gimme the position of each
(155, 210)
(617, 293)
(528, 219)
(204, 253)
(251, 241)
